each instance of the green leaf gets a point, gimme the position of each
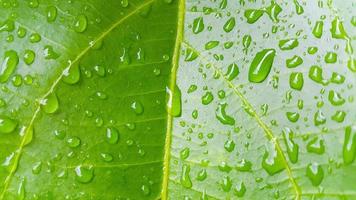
(177, 99)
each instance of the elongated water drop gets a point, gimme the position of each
(7, 125)
(185, 177)
(112, 135)
(292, 147)
(294, 61)
(349, 147)
(318, 29)
(261, 65)
(211, 44)
(272, 160)
(296, 80)
(8, 65)
(273, 11)
(222, 116)
(51, 13)
(198, 25)
(232, 71)
(253, 15)
(229, 25)
(298, 8)
(288, 44)
(174, 102)
(315, 173)
(190, 55)
(240, 189)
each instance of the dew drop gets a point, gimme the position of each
(198, 25)
(51, 13)
(318, 29)
(80, 23)
(222, 116)
(29, 56)
(272, 160)
(316, 145)
(50, 104)
(288, 44)
(84, 174)
(174, 103)
(112, 135)
(185, 177)
(292, 147)
(232, 71)
(315, 173)
(137, 107)
(349, 147)
(261, 65)
(294, 61)
(7, 125)
(73, 142)
(207, 98)
(8, 65)
(229, 25)
(71, 74)
(296, 80)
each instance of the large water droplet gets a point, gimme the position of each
(272, 160)
(222, 116)
(288, 44)
(198, 25)
(8, 66)
(296, 80)
(229, 25)
(174, 103)
(7, 125)
(232, 71)
(84, 174)
(349, 147)
(112, 135)
(315, 173)
(292, 147)
(50, 104)
(261, 65)
(51, 13)
(185, 177)
(71, 75)
(318, 29)
(80, 23)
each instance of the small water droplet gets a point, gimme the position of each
(8, 65)
(112, 135)
(185, 177)
(229, 25)
(315, 173)
(50, 104)
(80, 23)
(84, 174)
(7, 125)
(198, 25)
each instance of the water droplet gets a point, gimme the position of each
(49, 53)
(184, 153)
(59, 134)
(229, 145)
(312, 50)
(315, 173)
(7, 25)
(73, 142)
(185, 177)
(293, 62)
(226, 183)
(198, 25)
(232, 71)
(211, 44)
(229, 25)
(190, 55)
(261, 65)
(8, 66)
(253, 15)
(330, 57)
(124, 3)
(145, 190)
(296, 80)
(137, 107)
(316, 74)
(288, 44)
(84, 174)
(338, 32)
(292, 116)
(112, 135)
(243, 165)
(349, 147)
(339, 116)
(272, 160)
(50, 104)
(35, 37)
(51, 13)
(36, 169)
(316, 145)
(71, 75)
(335, 98)
(174, 103)
(207, 98)
(240, 189)
(29, 56)
(7, 125)
(17, 80)
(319, 118)
(80, 23)
(298, 8)
(21, 192)
(202, 174)
(318, 29)
(292, 147)
(222, 116)
(106, 157)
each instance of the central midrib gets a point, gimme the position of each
(19, 150)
